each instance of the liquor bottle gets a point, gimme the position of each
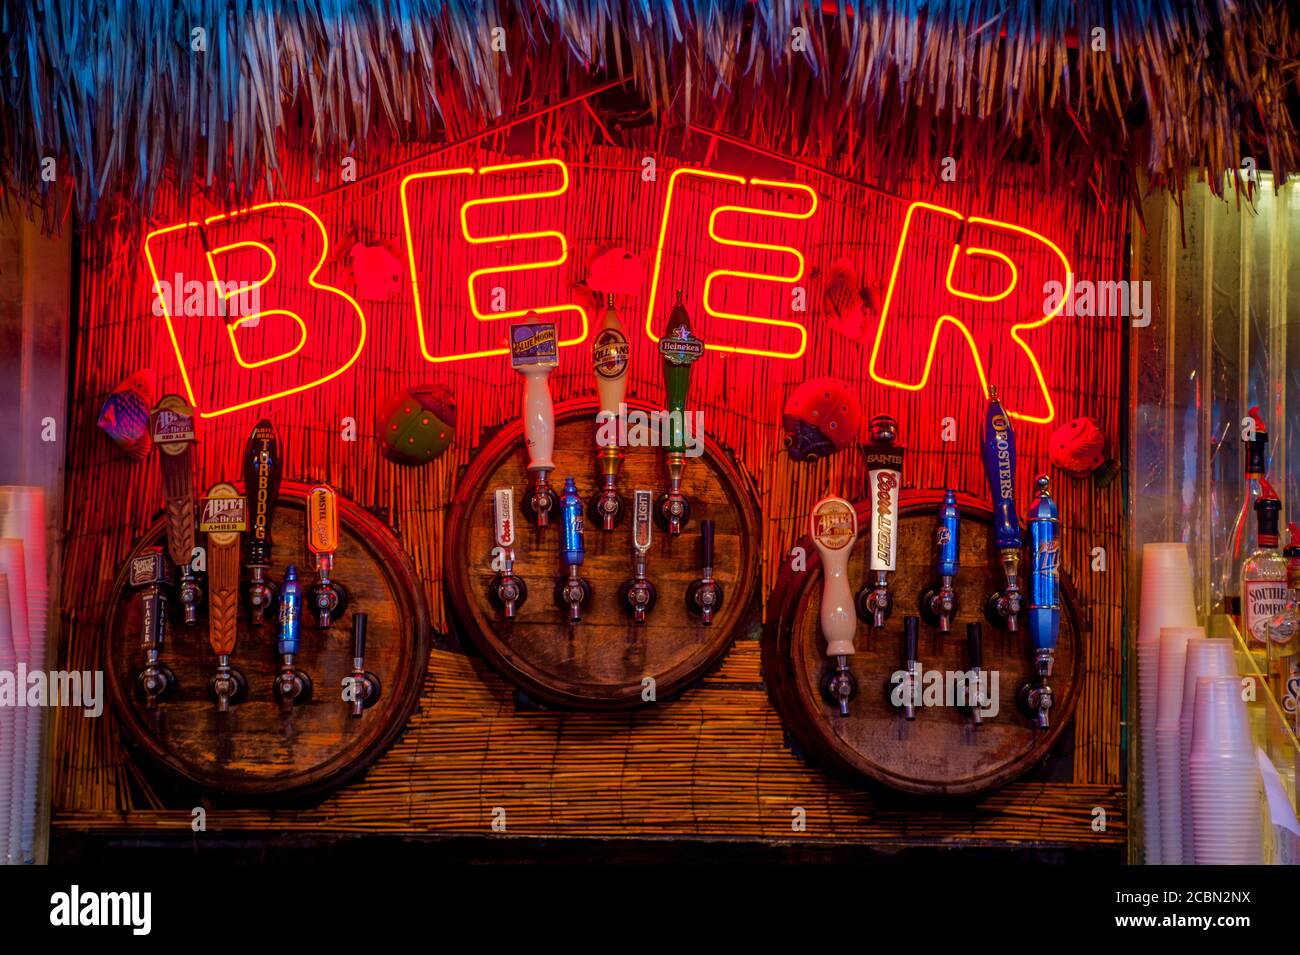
(1242, 537)
(1283, 631)
(1263, 575)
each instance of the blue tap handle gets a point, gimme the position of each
(571, 518)
(290, 611)
(947, 536)
(998, 448)
(1045, 573)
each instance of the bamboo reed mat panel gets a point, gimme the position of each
(712, 763)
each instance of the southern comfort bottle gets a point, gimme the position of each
(1263, 576)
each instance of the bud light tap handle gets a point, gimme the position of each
(572, 592)
(292, 685)
(939, 604)
(1044, 623)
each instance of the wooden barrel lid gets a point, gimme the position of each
(941, 752)
(603, 661)
(253, 749)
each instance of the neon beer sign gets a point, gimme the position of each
(749, 240)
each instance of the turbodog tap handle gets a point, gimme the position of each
(834, 528)
(998, 449)
(534, 354)
(263, 469)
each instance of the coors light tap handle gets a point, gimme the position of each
(638, 594)
(508, 592)
(534, 353)
(1044, 623)
(151, 574)
(609, 361)
(292, 685)
(328, 598)
(834, 528)
(679, 349)
(939, 604)
(262, 472)
(998, 447)
(224, 519)
(704, 596)
(884, 485)
(172, 429)
(572, 592)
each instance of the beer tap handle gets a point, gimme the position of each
(884, 489)
(704, 595)
(508, 592)
(329, 599)
(911, 651)
(224, 519)
(534, 354)
(679, 349)
(638, 594)
(292, 685)
(834, 528)
(262, 473)
(610, 354)
(998, 449)
(361, 690)
(974, 686)
(938, 604)
(151, 574)
(172, 429)
(1044, 612)
(572, 591)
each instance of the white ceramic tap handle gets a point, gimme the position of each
(539, 418)
(834, 528)
(609, 362)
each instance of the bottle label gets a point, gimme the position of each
(1262, 600)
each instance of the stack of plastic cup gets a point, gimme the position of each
(1227, 821)
(22, 516)
(1166, 601)
(12, 566)
(1169, 707)
(7, 663)
(1211, 657)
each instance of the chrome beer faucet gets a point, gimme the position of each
(834, 528)
(508, 592)
(151, 574)
(1035, 697)
(938, 605)
(704, 595)
(884, 486)
(572, 592)
(328, 598)
(638, 594)
(362, 688)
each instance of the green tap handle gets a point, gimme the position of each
(679, 349)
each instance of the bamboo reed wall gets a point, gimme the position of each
(714, 761)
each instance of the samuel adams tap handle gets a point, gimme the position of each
(262, 472)
(1044, 602)
(998, 448)
(834, 528)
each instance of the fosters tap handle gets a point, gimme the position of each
(998, 449)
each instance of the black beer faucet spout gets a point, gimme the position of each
(704, 595)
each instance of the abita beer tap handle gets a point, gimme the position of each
(998, 449)
(263, 470)
(224, 519)
(834, 528)
(534, 354)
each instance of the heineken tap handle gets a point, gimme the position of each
(1044, 613)
(224, 519)
(171, 425)
(834, 528)
(939, 604)
(508, 592)
(151, 574)
(704, 595)
(679, 349)
(998, 448)
(328, 598)
(572, 592)
(534, 354)
(361, 688)
(609, 362)
(638, 594)
(884, 486)
(262, 472)
(292, 685)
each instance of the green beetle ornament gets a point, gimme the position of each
(417, 424)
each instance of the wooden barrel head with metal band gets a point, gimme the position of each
(941, 752)
(605, 660)
(254, 750)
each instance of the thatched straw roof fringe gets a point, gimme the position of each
(126, 95)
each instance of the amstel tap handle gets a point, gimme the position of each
(508, 592)
(679, 349)
(638, 594)
(292, 685)
(224, 519)
(975, 679)
(884, 485)
(998, 447)
(939, 604)
(572, 592)
(534, 353)
(834, 528)
(609, 361)
(262, 472)
(172, 428)
(704, 595)
(151, 574)
(328, 598)
(360, 690)
(1035, 698)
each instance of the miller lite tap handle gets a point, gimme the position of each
(998, 448)
(263, 470)
(534, 353)
(224, 519)
(834, 527)
(1044, 578)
